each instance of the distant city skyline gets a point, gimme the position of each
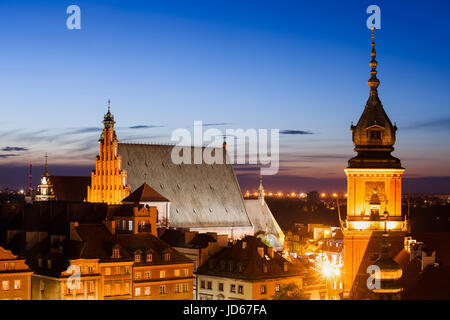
(298, 67)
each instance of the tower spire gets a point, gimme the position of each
(261, 191)
(373, 81)
(45, 167)
(109, 106)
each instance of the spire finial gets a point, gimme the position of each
(261, 190)
(109, 106)
(373, 81)
(45, 167)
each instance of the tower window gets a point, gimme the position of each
(375, 135)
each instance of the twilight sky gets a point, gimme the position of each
(299, 66)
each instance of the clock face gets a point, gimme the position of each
(375, 187)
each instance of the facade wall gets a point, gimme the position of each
(251, 290)
(15, 286)
(163, 282)
(116, 280)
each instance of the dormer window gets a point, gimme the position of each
(149, 257)
(116, 254)
(137, 258)
(167, 256)
(375, 134)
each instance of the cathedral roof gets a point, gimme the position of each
(201, 195)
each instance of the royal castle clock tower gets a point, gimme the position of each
(374, 179)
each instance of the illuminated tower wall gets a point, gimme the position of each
(374, 179)
(108, 180)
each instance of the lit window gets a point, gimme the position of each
(177, 272)
(167, 256)
(177, 288)
(137, 258)
(130, 225)
(147, 275)
(162, 274)
(107, 271)
(185, 287)
(116, 253)
(16, 284)
(241, 289)
(149, 257)
(137, 292)
(107, 290)
(5, 285)
(127, 288)
(162, 289)
(233, 288)
(147, 291)
(185, 272)
(277, 287)
(117, 289)
(90, 268)
(127, 270)
(91, 286)
(263, 289)
(138, 275)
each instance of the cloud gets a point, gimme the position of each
(14, 149)
(216, 124)
(443, 123)
(295, 132)
(85, 130)
(145, 127)
(3, 156)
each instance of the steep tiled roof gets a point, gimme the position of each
(243, 261)
(145, 193)
(99, 243)
(262, 218)
(201, 195)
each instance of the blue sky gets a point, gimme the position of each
(291, 65)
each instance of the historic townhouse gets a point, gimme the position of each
(248, 270)
(15, 277)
